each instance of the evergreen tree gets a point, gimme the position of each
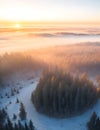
(92, 122)
(19, 125)
(97, 124)
(3, 115)
(22, 113)
(12, 92)
(9, 123)
(17, 100)
(31, 125)
(14, 117)
(15, 127)
(26, 126)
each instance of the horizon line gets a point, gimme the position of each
(48, 21)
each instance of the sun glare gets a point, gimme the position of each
(17, 26)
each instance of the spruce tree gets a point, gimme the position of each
(22, 113)
(26, 126)
(17, 100)
(14, 117)
(16, 126)
(9, 123)
(31, 125)
(91, 123)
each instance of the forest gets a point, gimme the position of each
(73, 58)
(11, 63)
(68, 85)
(60, 94)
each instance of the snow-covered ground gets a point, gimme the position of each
(41, 122)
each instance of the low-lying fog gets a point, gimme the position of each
(34, 38)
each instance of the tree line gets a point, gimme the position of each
(16, 62)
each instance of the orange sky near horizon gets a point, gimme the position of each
(50, 11)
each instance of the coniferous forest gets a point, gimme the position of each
(66, 88)
(49, 64)
(60, 94)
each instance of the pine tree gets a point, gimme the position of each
(77, 99)
(14, 117)
(6, 127)
(97, 124)
(91, 123)
(10, 125)
(22, 113)
(31, 125)
(19, 125)
(17, 100)
(16, 126)
(12, 92)
(26, 126)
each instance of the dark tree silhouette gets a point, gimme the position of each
(31, 126)
(94, 123)
(9, 123)
(14, 117)
(17, 100)
(22, 113)
(61, 94)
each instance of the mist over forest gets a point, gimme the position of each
(52, 80)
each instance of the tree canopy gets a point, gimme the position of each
(60, 94)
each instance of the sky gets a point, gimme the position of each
(50, 10)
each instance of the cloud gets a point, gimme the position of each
(4, 38)
(76, 34)
(61, 34)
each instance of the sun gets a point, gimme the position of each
(17, 26)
